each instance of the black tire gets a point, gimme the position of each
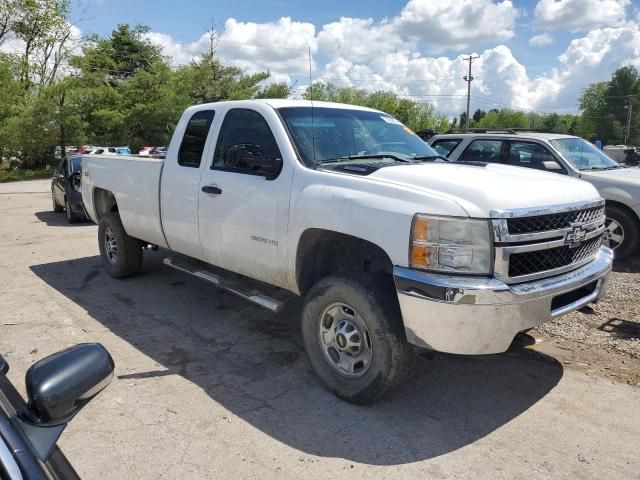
(72, 217)
(56, 207)
(127, 260)
(374, 298)
(629, 228)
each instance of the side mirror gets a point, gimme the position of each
(248, 156)
(552, 166)
(59, 385)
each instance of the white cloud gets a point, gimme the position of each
(579, 15)
(540, 40)
(181, 54)
(457, 24)
(364, 53)
(282, 46)
(359, 39)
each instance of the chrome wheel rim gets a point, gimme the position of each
(613, 235)
(345, 340)
(110, 245)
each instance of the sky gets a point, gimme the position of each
(534, 54)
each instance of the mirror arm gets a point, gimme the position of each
(42, 438)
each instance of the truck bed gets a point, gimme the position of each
(135, 182)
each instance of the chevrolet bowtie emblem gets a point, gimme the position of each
(576, 236)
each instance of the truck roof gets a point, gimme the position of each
(281, 103)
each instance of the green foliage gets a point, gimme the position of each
(275, 90)
(504, 118)
(21, 174)
(416, 115)
(604, 108)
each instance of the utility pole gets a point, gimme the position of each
(629, 113)
(469, 79)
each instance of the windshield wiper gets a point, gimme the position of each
(430, 157)
(379, 156)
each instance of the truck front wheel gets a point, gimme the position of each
(121, 254)
(353, 335)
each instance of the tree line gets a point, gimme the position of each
(58, 89)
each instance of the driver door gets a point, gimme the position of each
(242, 215)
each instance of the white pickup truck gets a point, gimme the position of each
(390, 245)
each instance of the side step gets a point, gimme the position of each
(230, 285)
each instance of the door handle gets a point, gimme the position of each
(211, 189)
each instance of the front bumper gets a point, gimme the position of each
(480, 315)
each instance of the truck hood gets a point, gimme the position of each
(479, 189)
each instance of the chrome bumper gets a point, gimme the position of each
(479, 315)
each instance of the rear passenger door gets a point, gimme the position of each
(181, 182)
(484, 150)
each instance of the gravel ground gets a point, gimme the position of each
(613, 324)
(603, 339)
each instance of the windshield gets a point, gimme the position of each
(583, 155)
(332, 134)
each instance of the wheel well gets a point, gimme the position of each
(104, 202)
(622, 206)
(325, 252)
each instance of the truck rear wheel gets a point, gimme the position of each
(121, 254)
(353, 335)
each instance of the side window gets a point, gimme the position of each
(244, 127)
(483, 151)
(533, 155)
(445, 147)
(194, 139)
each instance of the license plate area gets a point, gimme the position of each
(565, 299)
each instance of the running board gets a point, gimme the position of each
(231, 286)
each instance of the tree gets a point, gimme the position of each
(504, 118)
(275, 90)
(416, 115)
(604, 107)
(478, 115)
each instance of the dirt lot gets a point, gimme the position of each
(208, 386)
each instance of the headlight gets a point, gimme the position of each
(450, 245)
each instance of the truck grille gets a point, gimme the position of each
(554, 221)
(526, 263)
(536, 244)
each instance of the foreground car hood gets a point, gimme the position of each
(481, 189)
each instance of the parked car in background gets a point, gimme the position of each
(58, 387)
(66, 192)
(123, 150)
(389, 245)
(564, 154)
(145, 151)
(159, 152)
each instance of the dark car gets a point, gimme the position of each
(57, 388)
(66, 193)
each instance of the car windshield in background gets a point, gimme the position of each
(336, 134)
(583, 155)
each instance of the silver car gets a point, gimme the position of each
(565, 155)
